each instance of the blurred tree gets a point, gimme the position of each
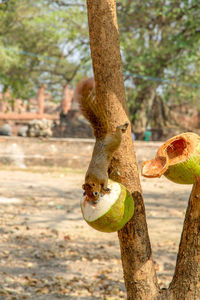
(159, 39)
(42, 42)
(47, 42)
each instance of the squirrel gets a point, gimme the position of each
(96, 178)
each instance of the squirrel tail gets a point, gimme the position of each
(93, 112)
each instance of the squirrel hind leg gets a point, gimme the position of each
(112, 141)
(123, 127)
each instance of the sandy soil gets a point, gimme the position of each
(48, 252)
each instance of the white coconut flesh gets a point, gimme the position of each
(92, 212)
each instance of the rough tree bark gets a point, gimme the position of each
(139, 272)
(186, 280)
(136, 252)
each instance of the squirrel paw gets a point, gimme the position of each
(123, 127)
(106, 189)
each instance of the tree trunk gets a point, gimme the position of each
(149, 109)
(139, 272)
(142, 108)
(186, 281)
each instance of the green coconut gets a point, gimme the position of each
(178, 159)
(112, 211)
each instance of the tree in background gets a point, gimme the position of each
(41, 42)
(47, 42)
(159, 40)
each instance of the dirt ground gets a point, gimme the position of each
(48, 252)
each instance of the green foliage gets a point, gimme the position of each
(47, 42)
(161, 39)
(41, 42)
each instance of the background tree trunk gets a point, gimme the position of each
(141, 109)
(139, 272)
(149, 109)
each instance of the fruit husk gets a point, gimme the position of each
(118, 214)
(178, 159)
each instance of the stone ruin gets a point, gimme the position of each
(39, 128)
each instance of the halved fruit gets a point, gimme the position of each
(112, 211)
(178, 159)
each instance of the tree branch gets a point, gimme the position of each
(185, 283)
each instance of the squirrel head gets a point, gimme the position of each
(92, 190)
